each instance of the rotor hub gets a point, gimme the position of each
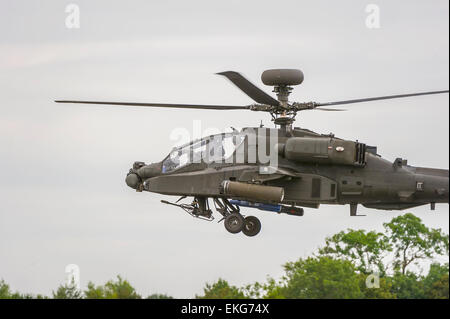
(283, 92)
(282, 80)
(284, 120)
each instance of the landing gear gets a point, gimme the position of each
(199, 208)
(234, 223)
(252, 226)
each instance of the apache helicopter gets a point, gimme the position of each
(311, 169)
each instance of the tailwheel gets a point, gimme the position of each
(234, 223)
(252, 226)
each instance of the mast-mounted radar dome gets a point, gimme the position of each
(282, 77)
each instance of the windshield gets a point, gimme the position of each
(216, 148)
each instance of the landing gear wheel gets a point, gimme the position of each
(252, 226)
(234, 223)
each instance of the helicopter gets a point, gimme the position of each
(282, 169)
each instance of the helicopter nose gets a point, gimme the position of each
(149, 171)
(141, 172)
(132, 180)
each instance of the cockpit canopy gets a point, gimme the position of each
(212, 149)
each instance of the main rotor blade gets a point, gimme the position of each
(329, 110)
(185, 106)
(258, 95)
(379, 98)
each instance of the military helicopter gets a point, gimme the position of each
(303, 168)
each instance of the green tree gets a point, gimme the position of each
(159, 296)
(435, 273)
(221, 290)
(272, 289)
(119, 289)
(384, 291)
(439, 289)
(322, 278)
(407, 286)
(67, 292)
(5, 292)
(436, 282)
(413, 241)
(365, 250)
(94, 292)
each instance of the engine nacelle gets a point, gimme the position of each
(255, 192)
(324, 151)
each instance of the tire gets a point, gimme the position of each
(252, 226)
(234, 223)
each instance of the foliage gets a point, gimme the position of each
(159, 296)
(94, 292)
(221, 290)
(436, 282)
(326, 276)
(269, 290)
(413, 241)
(119, 289)
(6, 293)
(384, 291)
(340, 269)
(67, 292)
(321, 278)
(407, 286)
(439, 289)
(365, 250)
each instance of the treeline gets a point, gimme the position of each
(113, 289)
(350, 264)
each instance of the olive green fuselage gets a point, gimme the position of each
(325, 175)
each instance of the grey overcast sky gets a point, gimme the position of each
(63, 199)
